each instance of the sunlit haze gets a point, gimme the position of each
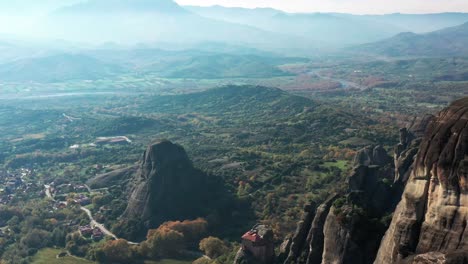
(344, 6)
(233, 131)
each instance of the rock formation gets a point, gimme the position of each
(257, 246)
(167, 187)
(348, 227)
(406, 150)
(116, 177)
(430, 221)
(340, 230)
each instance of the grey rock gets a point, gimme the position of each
(432, 215)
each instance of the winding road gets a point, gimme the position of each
(93, 222)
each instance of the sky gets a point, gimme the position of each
(342, 6)
(345, 6)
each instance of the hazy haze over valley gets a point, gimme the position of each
(233, 131)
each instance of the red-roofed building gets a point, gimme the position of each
(252, 237)
(259, 242)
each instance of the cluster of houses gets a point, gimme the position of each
(89, 232)
(67, 188)
(60, 205)
(82, 200)
(15, 182)
(61, 192)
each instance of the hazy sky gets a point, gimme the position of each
(345, 6)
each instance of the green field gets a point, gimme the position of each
(49, 256)
(340, 164)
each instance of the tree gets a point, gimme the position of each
(193, 231)
(76, 244)
(100, 200)
(36, 238)
(59, 236)
(118, 251)
(162, 242)
(213, 247)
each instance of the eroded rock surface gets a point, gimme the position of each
(167, 187)
(348, 227)
(432, 215)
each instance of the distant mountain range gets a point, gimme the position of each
(333, 29)
(221, 65)
(451, 41)
(122, 6)
(102, 64)
(56, 68)
(165, 24)
(156, 21)
(150, 21)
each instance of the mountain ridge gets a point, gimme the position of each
(122, 6)
(445, 42)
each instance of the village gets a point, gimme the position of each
(71, 194)
(22, 184)
(16, 184)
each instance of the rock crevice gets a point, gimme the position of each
(433, 213)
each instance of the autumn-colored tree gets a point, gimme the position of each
(213, 247)
(118, 251)
(193, 231)
(162, 242)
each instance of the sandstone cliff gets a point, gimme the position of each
(348, 227)
(344, 228)
(168, 187)
(429, 224)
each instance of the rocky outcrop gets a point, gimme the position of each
(431, 219)
(244, 257)
(372, 156)
(316, 236)
(306, 245)
(407, 148)
(348, 227)
(352, 229)
(257, 246)
(116, 177)
(167, 187)
(438, 258)
(337, 232)
(298, 241)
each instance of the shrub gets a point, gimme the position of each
(213, 247)
(118, 251)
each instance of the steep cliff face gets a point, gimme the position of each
(407, 148)
(340, 230)
(167, 187)
(348, 227)
(430, 221)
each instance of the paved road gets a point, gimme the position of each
(103, 229)
(94, 223)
